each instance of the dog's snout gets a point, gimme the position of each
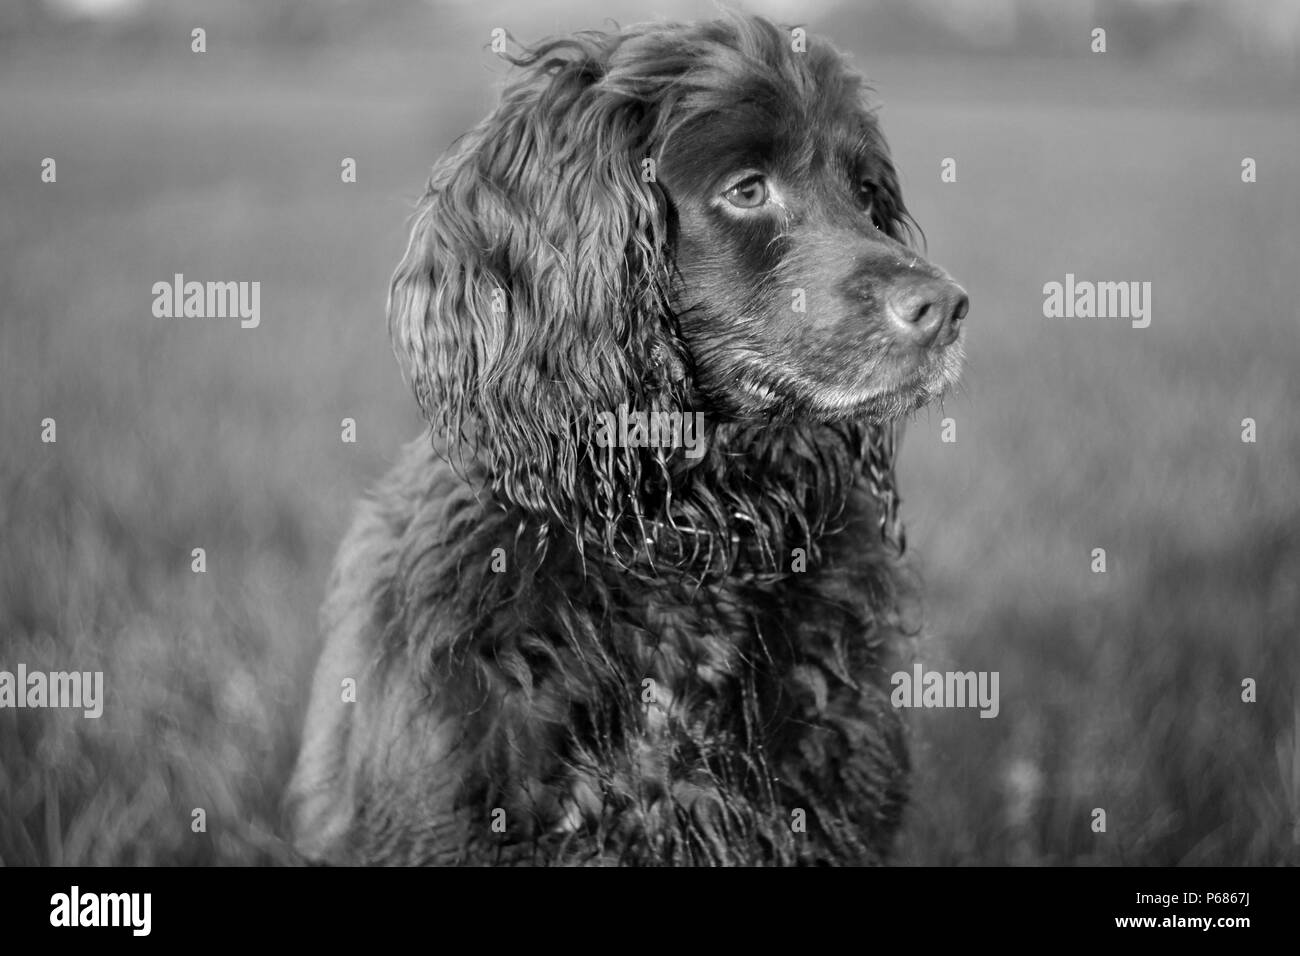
(928, 313)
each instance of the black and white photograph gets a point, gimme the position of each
(650, 433)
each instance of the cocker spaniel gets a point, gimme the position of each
(634, 598)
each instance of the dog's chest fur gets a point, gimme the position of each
(599, 714)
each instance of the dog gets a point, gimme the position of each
(634, 598)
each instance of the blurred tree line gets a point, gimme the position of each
(1263, 33)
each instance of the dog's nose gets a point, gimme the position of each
(928, 313)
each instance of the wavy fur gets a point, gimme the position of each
(508, 595)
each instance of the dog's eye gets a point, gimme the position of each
(867, 196)
(748, 193)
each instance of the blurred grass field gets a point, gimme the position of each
(1119, 691)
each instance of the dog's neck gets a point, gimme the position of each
(756, 497)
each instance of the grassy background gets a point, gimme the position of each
(1119, 691)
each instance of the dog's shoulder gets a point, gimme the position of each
(368, 721)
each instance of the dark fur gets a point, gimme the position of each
(524, 691)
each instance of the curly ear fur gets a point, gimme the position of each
(531, 295)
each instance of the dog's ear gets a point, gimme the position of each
(532, 295)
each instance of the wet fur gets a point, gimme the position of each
(506, 595)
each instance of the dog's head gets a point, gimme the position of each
(678, 217)
(798, 290)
